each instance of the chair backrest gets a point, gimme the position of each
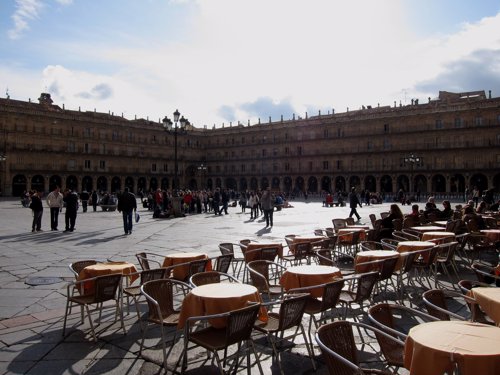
(78, 266)
(331, 294)
(105, 287)
(205, 277)
(259, 274)
(338, 337)
(154, 274)
(302, 250)
(371, 245)
(365, 284)
(291, 311)
(389, 243)
(289, 240)
(372, 217)
(160, 293)
(196, 266)
(411, 234)
(318, 232)
(268, 253)
(240, 324)
(387, 267)
(223, 262)
(324, 257)
(383, 215)
(485, 273)
(226, 248)
(243, 244)
(350, 221)
(411, 221)
(142, 258)
(397, 224)
(436, 297)
(447, 250)
(339, 224)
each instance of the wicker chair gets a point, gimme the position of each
(77, 267)
(301, 251)
(227, 248)
(360, 292)
(389, 243)
(337, 344)
(237, 330)
(289, 316)
(479, 315)
(262, 275)
(478, 244)
(134, 291)
(485, 273)
(145, 258)
(371, 245)
(210, 277)
(446, 258)
(324, 257)
(438, 303)
(161, 300)
(223, 263)
(328, 301)
(424, 263)
(105, 288)
(339, 224)
(350, 221)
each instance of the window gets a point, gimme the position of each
(325, 165)
(102, 164)
(287, 150)
(86, 148)
(275, 152)
(325, 133)
(102, 148)
(310, 165)
(87, 164)
(498, 119)
(243, 167)
(287, 167)
(242, 140)
(275, 167)
(252, 168)
(86, 132)
(387, 144)
(386, 128)
(71, 164)
(439, 124)
(264, 152)
(478, 121)
(165, 167)
(299, 150)
(369, 146)
(115, 136)
(71, 146)
(459, 122)
(153, 167)
(217, 168)
(339, 164)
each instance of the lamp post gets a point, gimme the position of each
(167, 124)
(202, 168)
(412, 160)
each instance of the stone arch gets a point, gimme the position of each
(496, 183)
(243, 184)
(254, 185)
(129, 182)
(19, 185)
(71, 182)
(142, 184)
(326, 184)
(275, 183)
(299, 185)
(402, 182)
(438, 183)
(102, 183)
(153, 183)
(116, 184)
(231, 183)
(386, 184)
(340, 184)
(87, 183)
(287, 184)
(457, 183)
(370, 183)
(264, 183)
(55, 180)
(354, 181)
(480, 181)
(421, 183)
(164, 183)
(312, 184)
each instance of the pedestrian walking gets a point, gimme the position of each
(55, 202)
(353, 203)
(127, 205)
(266, 201)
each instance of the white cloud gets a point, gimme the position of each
(26, 10)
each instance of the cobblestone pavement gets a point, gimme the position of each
(31, 316)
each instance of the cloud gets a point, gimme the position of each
(101, 91)
(26, 10)
(479, 70)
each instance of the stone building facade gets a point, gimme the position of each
(440, 147)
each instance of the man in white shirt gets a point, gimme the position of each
(55, 203)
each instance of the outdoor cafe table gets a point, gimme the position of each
(492, 234)
(107, 268)
(440, 223)
(369, 256)
(489, 300)
(181, 272)
(250, 254)
(308, 275)
(216, 299)
(432, 348)
(344, 231)
(438, 235)
(428, 228)
(409, 246)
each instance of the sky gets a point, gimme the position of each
(221, 62)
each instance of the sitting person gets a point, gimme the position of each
(430, 208)
(471, 220)
(495, 206)
(387, 226)
(413, 218)
(328, 202)
(482, 207)
(447, 212)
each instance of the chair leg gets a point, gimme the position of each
(91, 324)
(308, 346)
(68, 308)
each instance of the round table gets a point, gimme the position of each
(489, 300)
(428, 228)
(432, 348)
(344, 237)
(106, 268)
(251, 254)
(438, 236)
(218, 298)
(410, 246)
(182, 272)
(369, 256)
(492, 234)
(309, 275)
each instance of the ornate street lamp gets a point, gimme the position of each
(412, 160)
(167, 124)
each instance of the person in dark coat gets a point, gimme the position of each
(71, 200)
(127, 204)
(37, 208)
(353, 203)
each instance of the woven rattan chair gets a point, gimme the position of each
(479, 315)
(389, 243)
(227, 248)
(238, 330)
(424, 265)
(134, 291)
(78, 266)
(339, 224)
(371, 245)
(324, 257)
(360, 291)
(210, 277)
(445, 258)
(326, 303)
(485, 273)
(161, 297)
(223, 263)
(289, 316)
(439, 303)
(337, 344)
(145, 259)
(104, 288)
(263, 273)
